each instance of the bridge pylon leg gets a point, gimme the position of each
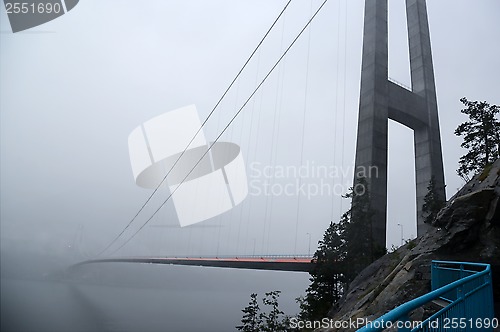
(382, 99)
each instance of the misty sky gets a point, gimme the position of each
(72, 90)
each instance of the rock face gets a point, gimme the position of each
(466, 229)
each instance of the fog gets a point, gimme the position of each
(146, 297)
(73, 89)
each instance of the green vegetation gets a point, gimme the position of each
(485, 172)
(251, 316)
(271, 320)
(481, 137)
(433, 202)
(327, 281)
(361, 249)
(411, 244)
(346, 249)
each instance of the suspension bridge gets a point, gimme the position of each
(293, 263)
(465, 288)
(381, 99)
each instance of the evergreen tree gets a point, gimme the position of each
(273, 320)
(481, 137)
(251, 320)
(347, 247)
(433, 202)
(361, 250)
(327, 283)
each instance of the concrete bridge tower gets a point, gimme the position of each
(381, 100)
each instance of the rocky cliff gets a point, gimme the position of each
(466, 229)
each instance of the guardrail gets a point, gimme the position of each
(467, 291)
(241, 256)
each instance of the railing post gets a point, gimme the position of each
(489, 296)
(434, 275)
(461, 299)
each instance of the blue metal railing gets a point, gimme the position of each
(467, 291)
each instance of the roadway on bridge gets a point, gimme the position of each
(276, 263)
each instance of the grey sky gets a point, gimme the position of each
(73, 89)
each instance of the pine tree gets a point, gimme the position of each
(251, 320)
(433, 202)
(271, 320)
(327, 282)
(274, 320)
(361, 250)
(347, 248)
(481, 137)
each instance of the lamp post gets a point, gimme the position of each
(309, 247)
(401, 232)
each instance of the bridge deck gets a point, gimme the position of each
(277, 263)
